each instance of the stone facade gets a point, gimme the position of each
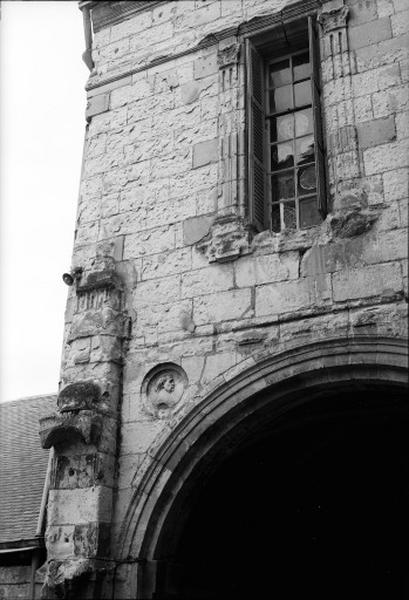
(175, 294)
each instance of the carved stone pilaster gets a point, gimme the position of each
(228, 236)
(231, 128)
(342, 139)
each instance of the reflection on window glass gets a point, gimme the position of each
(283, 185)
(282, 156)
(280, 73)
(301, 66)
(309, 214)
(306, 180)
(281, 99)
(302, 93)
(304, 148)
(303, 122)
(285, 127)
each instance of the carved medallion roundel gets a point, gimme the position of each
(163, 388)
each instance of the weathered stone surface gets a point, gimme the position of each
(290, 296)
(69, 428)
(255, 270)
(79, 396)
(15, 574)
(77, 506)
(203, 281)
(386, 157)
(352, 222)
(370, 33)
(379, 131)
(379, 280)
(195, 229)
(222, 306)
(190, 92)
(228, 238)
(97, 105)
(205, 153)
(19, 591)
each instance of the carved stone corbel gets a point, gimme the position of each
(68, 427)
(79, 415)
(229, 237)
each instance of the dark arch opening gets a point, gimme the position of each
(313, 504)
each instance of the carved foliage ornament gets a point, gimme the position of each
(334, 19)
(163, 388)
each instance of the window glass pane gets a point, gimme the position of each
(303, 122)
(290, 217)
(302, 93)
(282, 128)
(281, 99)
(280, 73)
(305, 149)
(306, 180)
(282, 185)
(282, 156)
(301, 66)
(309, 214)
(275, 218)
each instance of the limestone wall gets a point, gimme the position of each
(165, 199)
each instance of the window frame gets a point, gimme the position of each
(263, 45)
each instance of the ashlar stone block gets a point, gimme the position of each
(364, 282)
(97, 105)
(396, 185)
(370, 33)
(222, 306)
(379, 131)
(68, 507)
(205, 152)
(386, 157)
(255, 270)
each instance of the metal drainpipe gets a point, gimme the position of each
(86, 16)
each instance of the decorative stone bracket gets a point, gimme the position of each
(229, 237)
(79, 416)
(70, 427)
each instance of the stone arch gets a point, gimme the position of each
(229, 408)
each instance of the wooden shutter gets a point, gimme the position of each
(317, 117)
(256, 171)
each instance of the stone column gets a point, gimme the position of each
(83, 432)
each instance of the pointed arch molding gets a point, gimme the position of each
(269, 383)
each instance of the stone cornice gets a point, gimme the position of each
(247, 28)
(111, 13)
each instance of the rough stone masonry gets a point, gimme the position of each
(175, 293)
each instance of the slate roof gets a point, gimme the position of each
(23, 466)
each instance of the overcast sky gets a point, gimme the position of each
(42, 130)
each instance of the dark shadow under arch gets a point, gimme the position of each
(233, 417)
